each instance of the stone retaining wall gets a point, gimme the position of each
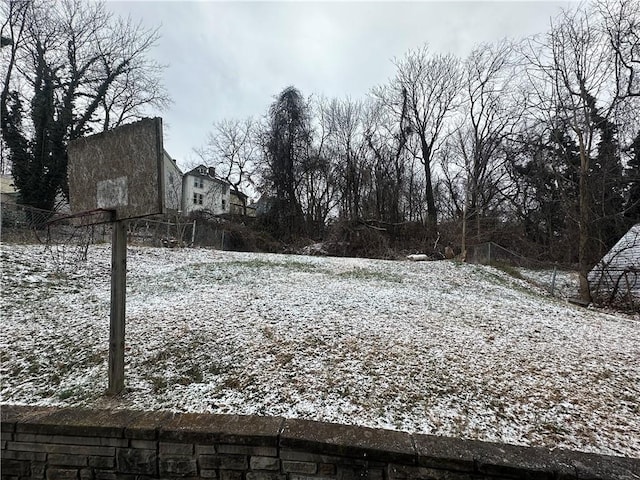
(79, 444)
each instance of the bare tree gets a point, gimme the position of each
(343, 120)
(491, 111)
(386, 134)
(318, 187)
(620, 23)
(11, 33)
(232, 148)
(572, 74)
(431, 84)
(75, 68)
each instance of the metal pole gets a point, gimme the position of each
(118, 301)
(464, 230)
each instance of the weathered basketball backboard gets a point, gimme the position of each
(119, 175)
(119, 171)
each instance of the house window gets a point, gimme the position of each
(197, 198)
(198, 183)
(224, 204)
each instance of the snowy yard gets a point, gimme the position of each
(432, 347)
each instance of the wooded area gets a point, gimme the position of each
(531, 143)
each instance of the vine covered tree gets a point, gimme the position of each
(73, 68)
(233, 150)
(286, 144)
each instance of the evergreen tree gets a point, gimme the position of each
(632, 174)
(607, 186)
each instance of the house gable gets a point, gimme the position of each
(616, 278)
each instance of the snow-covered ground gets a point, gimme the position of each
(433, 347)
(563, 283)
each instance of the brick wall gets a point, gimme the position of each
(68, 443)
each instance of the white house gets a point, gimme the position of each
(202, 190)
(172, 185)
(616, 278)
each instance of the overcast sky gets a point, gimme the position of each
(229, 59)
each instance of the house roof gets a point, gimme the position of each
(173, 161)
(203, 172)
(620, 265)
(626, 252)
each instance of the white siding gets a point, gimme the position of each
(172, 185)
(201, 192)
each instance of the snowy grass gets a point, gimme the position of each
(433, 347)
(565, 285)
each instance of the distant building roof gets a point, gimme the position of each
(173, 160)
(205, 172)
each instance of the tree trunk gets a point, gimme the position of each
(432, 215)
(584, 230)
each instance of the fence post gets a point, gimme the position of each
(193, 233)
(553, 280)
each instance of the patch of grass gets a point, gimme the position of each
(216, 368)
(508, 269)
(158, 383)
(55, 379)
(554, 428)
(285, 358)
(259, 264)
(181, 368)
(253, 263)
(363, 274)
(268, 332)
(192, 375)
(232, 383)
(4, 357)
(95, 358)
(33, 368)
(58, 275)
(65, 394)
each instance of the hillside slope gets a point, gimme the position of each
(432, 347)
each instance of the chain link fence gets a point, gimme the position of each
(490, 252)
(21, 223)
